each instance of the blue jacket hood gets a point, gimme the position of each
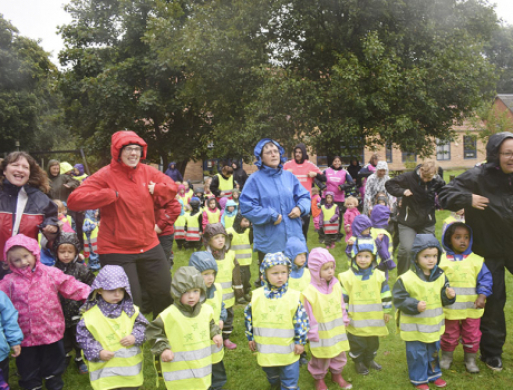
(231, 203)
(203, 261)
(446, 240)
(421, 242)
(296, 246)
(360, 223)
(258, 152)
(379, 216)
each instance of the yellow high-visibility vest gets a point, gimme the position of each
(193, 227)
(329, 228)
(241, 246)
(224, 277)
(226, 185)
(300, 284)
(216, 303)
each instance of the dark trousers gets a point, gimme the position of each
(218, 376)
(228, 324)
(493, 322)
(150, 270)
(245, 274)
(180, 244)
(306, 224)
(78, 217)
(42, 362)
(363, 349)
(70, 341)
(4, 372)
(261, 256)
(167, 244)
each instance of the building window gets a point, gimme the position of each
(469, 146)
(409, 157)
(443, 150)
(389, 149)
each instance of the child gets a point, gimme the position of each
(380, 216)
(10, 337)
(193, 225)
(34, 291)
(275, 321)
(217, 242)
(211, 214)
(199, 193)
(316, 210)
(208, 193)
(189, 192)
(361, 226)
(473, 283)
(419, 295)
(67, 249)
(229, 214)
(381, 198)
(90, 229)
(456, 216)
(369, 302)
(328, 320)
(65, 221)
(180, 195)
(205, 263)
(297, 252)
(242, 238)
(111, 332)
(181, 335)
(236, 196)
(351, 204)
(180, 226)
(329, 220)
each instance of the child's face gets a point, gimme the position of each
(191, 297)
(244, 223)
(209, 276)
(300, 259)
(366, 232)
(66, 253)
(21, 258)
(327, 271)
(382, 202)
(351, 205)
(364, 259)
(460, 240)
(112, 296)
(427, 259)
(278, 275)
(198, 195)
(329, 199)
(235, 195)
(212, 204)
(217, 242)
(230, 209)
(63, 211)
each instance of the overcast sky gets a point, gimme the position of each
(38, 19)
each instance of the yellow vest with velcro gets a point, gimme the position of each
(189, 338)
(429, 325)
(273, 327)
(193, 227)
(241, 246)
(300, 284)
(213, 217)
(80, 178)
(462, 277)
(224, 277)
(327, 310)
(125, 369)
(365, 308)
(329, 228)
(226, 186)
(216, 303)
(180, 227)
(228, 221)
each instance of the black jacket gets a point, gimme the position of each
(240, 175)
(492, 227)
(417, 210)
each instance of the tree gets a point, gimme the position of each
(499, 51)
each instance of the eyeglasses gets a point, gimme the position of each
(508, 155)
(130, 149)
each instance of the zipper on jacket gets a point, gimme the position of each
(407, 210)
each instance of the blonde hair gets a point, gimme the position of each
(351, 200)
(60, 205)
(428, 166)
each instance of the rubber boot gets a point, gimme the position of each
(470, 363)
(320, 384)
(337, 378)
(446, 360)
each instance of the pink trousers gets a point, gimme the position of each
(466, 330)
(319, 367)
(316, 221)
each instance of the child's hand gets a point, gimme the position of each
(16, 350)
(386, 317)
(351, 241)
(127, 341)
(218, 340)
(252, 346)
(106, 355)
(480, 301)
(449, 291)
(81, 257)
(421, 306)
(380, 237)
(298, 349)
(167, 356)
(221, 324)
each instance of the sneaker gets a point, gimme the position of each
(422, 387)
(82, 367)
(229, 345)
(440, 383)
(493, 363)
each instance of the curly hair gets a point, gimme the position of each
(38, 178)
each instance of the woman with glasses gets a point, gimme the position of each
(486, 194)
(124, 191)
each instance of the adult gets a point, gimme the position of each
(24, 207)
(273, 199)
(239, 174)
(375, 184)
(173, 172)
(306, 172)
(222, 183)
(486, 194)
(366, 171)
(418, 189)
(353, 169)
(124, 192)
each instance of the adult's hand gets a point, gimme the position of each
(479, 202)
(407, 193)
(277, 222)
(50, 229)
(151, 187)
(295, 213)
(312, 174)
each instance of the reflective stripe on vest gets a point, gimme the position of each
(365, 308)
(301, 283)
(226, 186)
(125, 368)
(224, 277)
(429, 325)
(191, 368)
(462, 276)
(329, 228)
(327, 310)
(273, 327)
(216, 303)
(180, 228)
(193, 231)
(241, 246)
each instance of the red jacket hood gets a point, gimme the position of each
(123, 138)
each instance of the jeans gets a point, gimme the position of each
(423, 363)
(284, 376)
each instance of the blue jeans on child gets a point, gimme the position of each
(423, 364)
(283, 377)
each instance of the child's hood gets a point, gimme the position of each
(185, 279)
(181, 188)
(67, 238)
(271, 260)
(294, 247)
(364, 244)
(421, 242)
(222, 203)
(79, 168)
(236, 223)
(213, 229)
(447, 243)
(203, 261)
(318, 257)
(26, 242)
(65, 167)
(382, 165)
(379, 216)
(91, 214)
(361, 222)
(228, 204)
(258, 152)
(182, 208)
(195, 204)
